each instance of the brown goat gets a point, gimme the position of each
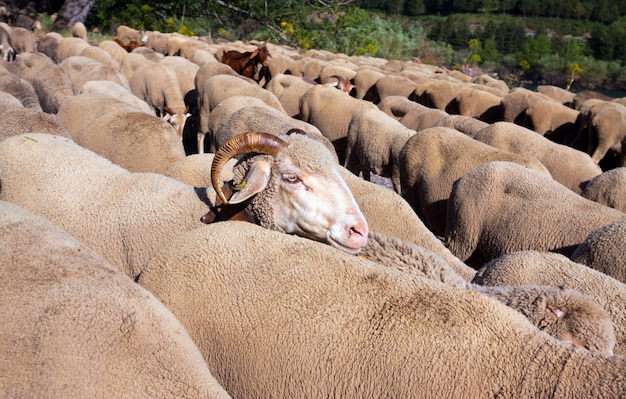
(246, 63)
(133, 44)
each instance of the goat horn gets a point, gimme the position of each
(259, 142)
(339, 78)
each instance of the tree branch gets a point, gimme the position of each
(253, 16)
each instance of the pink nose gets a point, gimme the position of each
(357, 235)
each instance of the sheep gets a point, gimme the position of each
(114, 50)
(22, 40)
(515, 103)
(100, 55)
(608, 188)
(353, 327)
(116, 91)
(547, 268)
(511, 137)
(51, 84)
(161, 207)
(307, 66)
(385, 211)
(134, 140)
(156, 41)
(560, 94)
(185, 71)
(476, 103)
(21, 89)
(69, 46)
(48, 44)
(565, 314)
(9, 101)
(148, 53)
(393, 85)
(490, 81)
(374, 143)
(502, 207)
(158, 86)
(434, 158)
(552, 119)
(262, 118)
(79, 30)
(288, 89)
(19, 120)
(73, 326)
(331, 110)
(464, 124)
(226, 108)
(398, 106)
(603, 250)
(420, 119)
(278, 64)
(332, 73)
(438, 93)
(292, 186)
(604, 131)
(201, 57)
(365, 80)
(83, 69)
(174, 44)
(127, 34)
(219, 87)
(121, 215)
(190, 48)
(133, 62)
(6, 49)
(8, 67)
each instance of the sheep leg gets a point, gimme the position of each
(201, 143)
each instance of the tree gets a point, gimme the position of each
(73, 11)
(536, 47)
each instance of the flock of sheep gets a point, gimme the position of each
(171, 228)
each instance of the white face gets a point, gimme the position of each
(319, 207)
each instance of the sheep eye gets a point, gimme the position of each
(291, 178)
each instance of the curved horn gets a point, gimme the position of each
(262, 143)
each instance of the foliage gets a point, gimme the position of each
(487, 34)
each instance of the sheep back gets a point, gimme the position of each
(121, 215)
(434, 158)
(117, 131)
(302, 293)
(547, 268)
(73, 326)
(608, 188)
(604, 250)
(502, 207)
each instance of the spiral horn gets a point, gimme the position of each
(245, 143)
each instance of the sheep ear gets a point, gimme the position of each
(256, 180)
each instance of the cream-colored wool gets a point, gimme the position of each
(307, 320)
(546, 268)
(502, 207)
(71, 326)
